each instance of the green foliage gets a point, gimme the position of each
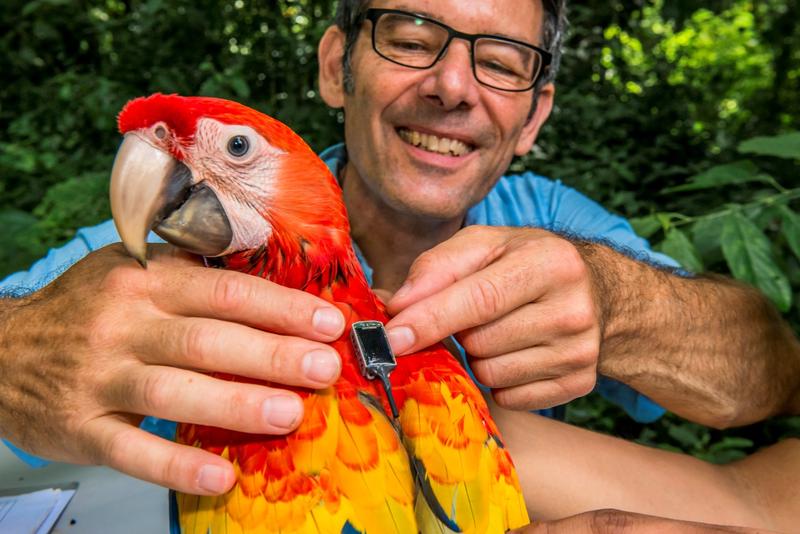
(15, 254)
(675, 434)
(652, 92)
(68, 68)
(683, 115)
(739, 172)
(756, 234)
(677, 245)
(782, 146)
(749, 255)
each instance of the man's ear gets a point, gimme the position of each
(331, 72)
(544, 105)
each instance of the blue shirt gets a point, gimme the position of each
(516, 200)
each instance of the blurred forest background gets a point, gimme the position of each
(682, 115)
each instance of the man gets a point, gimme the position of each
(107, 342)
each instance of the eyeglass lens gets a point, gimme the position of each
(416, 42)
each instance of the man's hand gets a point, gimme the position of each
(520, 300)
(108, 342)
(540, 316)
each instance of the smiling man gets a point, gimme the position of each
(438, 97)
(526, 273)
(434, 116)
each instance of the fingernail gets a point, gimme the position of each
(321, 366)
(212, 479)
(327, 321)
(282, 411)
(401, 338)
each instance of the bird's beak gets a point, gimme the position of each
(152, 190)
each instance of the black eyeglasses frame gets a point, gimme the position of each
(373, 14)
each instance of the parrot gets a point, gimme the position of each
(404, 448)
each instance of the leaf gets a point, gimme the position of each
(724, 456)
(731, 442)
(13, 252)
(646, 226)
(684, 435)
(749, 255)
(706, 234)
(732, 173)
(780, 146)
(678, 246)
(32, 7)
(17, 158)
(14, 221)
(239, 85)
(790, 228)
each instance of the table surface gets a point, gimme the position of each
(106, 500)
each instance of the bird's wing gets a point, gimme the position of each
(343, 470)
(466, 475)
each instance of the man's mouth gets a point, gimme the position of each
(432, 143)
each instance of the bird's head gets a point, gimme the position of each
(215, 177)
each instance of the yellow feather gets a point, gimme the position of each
(237, 504)
(331, 519)
(310, 455)
(259, 512)
(462, 462)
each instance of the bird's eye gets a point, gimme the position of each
(238, 145)
(160, 132)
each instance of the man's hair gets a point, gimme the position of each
(349, 16)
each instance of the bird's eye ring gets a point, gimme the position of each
(238, 146)
(160, 132)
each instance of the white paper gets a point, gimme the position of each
(35, 512)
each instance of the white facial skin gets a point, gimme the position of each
(244, 184)
(444, 100)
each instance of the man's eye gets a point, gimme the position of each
(410, 46)
(498, 68)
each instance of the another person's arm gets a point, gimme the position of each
(622, 522)
(86, 357)
(566, 471)
(540, 315)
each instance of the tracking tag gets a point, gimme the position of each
(375, 356)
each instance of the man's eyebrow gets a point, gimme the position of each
(437, 19)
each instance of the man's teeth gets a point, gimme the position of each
(431, 143)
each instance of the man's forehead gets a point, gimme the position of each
(517, 19)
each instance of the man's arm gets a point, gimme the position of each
(540, 315)
(708, 348)
(108, 342)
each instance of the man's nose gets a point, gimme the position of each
(451, 83)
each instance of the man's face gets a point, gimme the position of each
(395, 115)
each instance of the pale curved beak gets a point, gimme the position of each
(152, 190)
(139, 180)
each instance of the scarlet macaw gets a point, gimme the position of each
(242, 189)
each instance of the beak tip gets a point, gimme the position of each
(138, 179)
(139, 253)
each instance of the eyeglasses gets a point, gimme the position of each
(418, 42)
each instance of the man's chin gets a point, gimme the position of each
(431, 210)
